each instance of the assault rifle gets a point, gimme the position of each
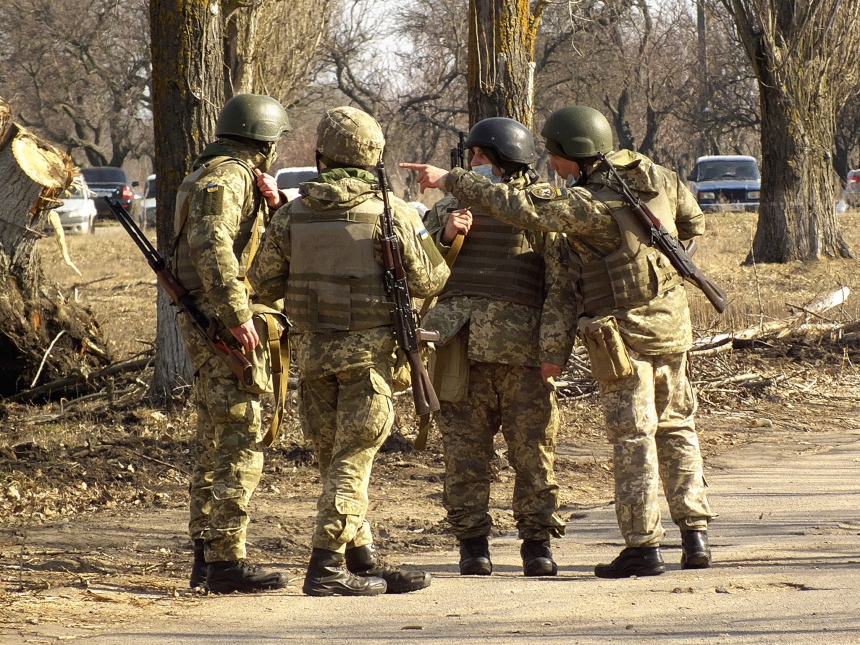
(458, 154)
(405, 319)
(205, 327)
(666, 243)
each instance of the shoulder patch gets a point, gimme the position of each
(548, 193)
(212, 188)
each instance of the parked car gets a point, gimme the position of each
(108, 181)
(147, 204)
(78, 211)
(726, 183)
(289, 179)
(851, 192)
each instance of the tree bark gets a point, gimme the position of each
(501, 59)
(805, 59)
(187, 93)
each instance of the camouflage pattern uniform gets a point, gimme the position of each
(649, 416)
(224, 206)
(505, 388)
(346, 373)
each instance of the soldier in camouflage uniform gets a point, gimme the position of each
(489, 314)
(630, 308)
(218, 207)
(322, 253)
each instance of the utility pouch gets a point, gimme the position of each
(402, 376)
(609, 359)
(268, 323)
(450, 368)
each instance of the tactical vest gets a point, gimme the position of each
(496, 261)
(636, 272)
(335, 284)
(183, 268)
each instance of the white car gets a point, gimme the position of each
(289, 179)
(78, 211)
(147, 204)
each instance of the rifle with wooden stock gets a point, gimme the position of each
(661, 239)
(409, 336)
(205, 327)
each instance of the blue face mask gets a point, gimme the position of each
(486, 170)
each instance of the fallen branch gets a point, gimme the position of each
(74, 381)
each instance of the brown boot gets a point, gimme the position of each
(327, 576)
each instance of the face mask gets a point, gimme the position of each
(486, 170)
(269, 160)
(571, 181)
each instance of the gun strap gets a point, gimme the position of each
(426, 420)
(456, 245)
(279, 351)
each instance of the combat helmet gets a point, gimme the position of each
(253, 116)
(508, 144)
(349, 136)
(577, 132)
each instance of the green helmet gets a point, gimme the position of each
(349, 136)
(253, 116)
(577, 132)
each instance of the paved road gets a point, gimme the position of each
(786, 550)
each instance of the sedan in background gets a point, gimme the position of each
(147, 204)
(108, 181)
(726, 183)
(78, 211)
(289, 179)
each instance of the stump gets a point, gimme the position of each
(33, 311)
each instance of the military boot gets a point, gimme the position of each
(228, 576)
(327, 576)
(633, 561)
(695, 552)
(475, 557)
(198, 567)
(537, 558)
(363, 561)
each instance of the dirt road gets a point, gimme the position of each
(786, 560)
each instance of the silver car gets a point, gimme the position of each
(78, 211)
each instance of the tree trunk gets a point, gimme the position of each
(187, 93)
(501, 59)
(33, 174)
(797, 221)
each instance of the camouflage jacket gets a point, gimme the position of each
(499, 331)
(662, 325)
(223, 208)
(319, 354)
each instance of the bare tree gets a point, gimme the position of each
(78, 73)
(502, 37)
(804, 55)
(187, 94)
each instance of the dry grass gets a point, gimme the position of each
(764, 291)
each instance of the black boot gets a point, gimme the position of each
(363, 561)
(695, 552)
(537, 558)
(327, 576)
(633, 561)
(199, 567)
(228, 576)
(475, 557)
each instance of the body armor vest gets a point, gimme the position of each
(636, 272)
(183, 268)
(497, 261)
(335, 284)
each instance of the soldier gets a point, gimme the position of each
(219, 207)
(632, 314)
(322, 254)
(489, 315)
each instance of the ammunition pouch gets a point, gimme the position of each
(449, 368)
(609, 359)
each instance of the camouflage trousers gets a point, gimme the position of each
(649, 421)
(515, 399)
(229, 459)
(347, 416)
